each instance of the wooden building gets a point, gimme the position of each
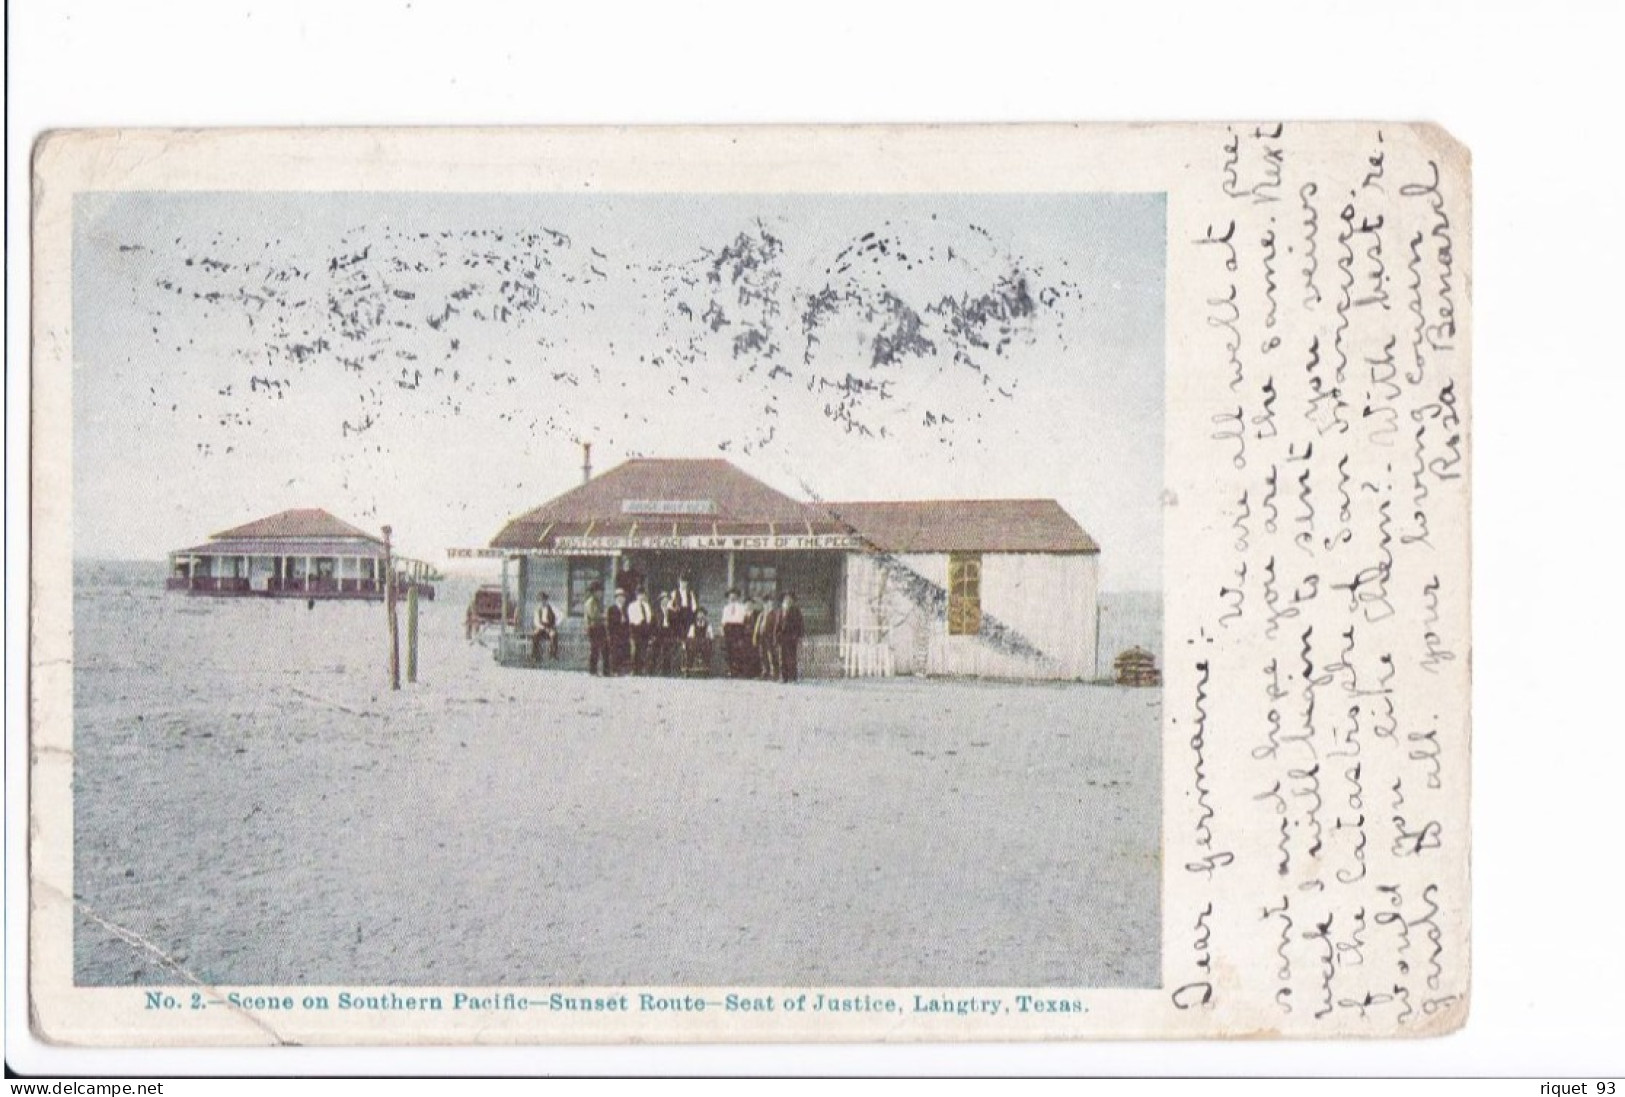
(295, 554)
(994, 588)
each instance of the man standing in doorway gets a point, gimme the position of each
(791, 629)
(620, 635)
(686, 603)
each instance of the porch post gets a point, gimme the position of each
(503, 642)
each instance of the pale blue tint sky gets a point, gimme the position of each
(434, 360)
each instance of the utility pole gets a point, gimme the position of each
(394, 621)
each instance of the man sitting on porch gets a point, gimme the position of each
(698, 646)
(546, 624)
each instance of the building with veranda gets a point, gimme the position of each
(998, 588)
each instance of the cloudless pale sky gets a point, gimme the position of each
(434, 361)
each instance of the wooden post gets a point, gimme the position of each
(1098, 609)
(412, 633)
(394, 621)
(502, 634)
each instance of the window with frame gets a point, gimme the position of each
(964, 593)
(761, 581)
(583, 572)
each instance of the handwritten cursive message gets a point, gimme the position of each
(1318, 682)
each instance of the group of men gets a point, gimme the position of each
(762, 639)
(634, 634)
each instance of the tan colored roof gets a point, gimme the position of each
(737, 503)
(966, 525)
(307, 522)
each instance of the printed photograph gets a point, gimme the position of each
(598, 590)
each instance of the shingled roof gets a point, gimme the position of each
(696, 497)
(721, 499)
(965, 525)
(306, 523)
(287, 546)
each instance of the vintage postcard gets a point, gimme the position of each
(828, 584)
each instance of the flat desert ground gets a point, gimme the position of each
(254, 806)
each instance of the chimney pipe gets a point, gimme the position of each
(586, 461)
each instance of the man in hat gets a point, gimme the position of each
(667, 641)
(734, 613)
(697, 649)
(640, 620)
(597, 630)
(790, 631)
(750, 658)
(686, 603)
(620, 634)
(767, 639)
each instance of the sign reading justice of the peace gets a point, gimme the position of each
(564, 546)
(713, 541)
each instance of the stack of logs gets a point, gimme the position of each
(1137, 667)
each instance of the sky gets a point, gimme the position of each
(435, 361)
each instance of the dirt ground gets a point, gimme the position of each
(254, 806)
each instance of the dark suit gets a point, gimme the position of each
(791, 629)
(697, 649)
(597, 636)
(620, 639)
(684, 607)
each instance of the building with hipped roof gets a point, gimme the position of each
(301, 553)
(1003, 588)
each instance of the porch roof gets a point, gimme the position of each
(304, 522)
(286, 546)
